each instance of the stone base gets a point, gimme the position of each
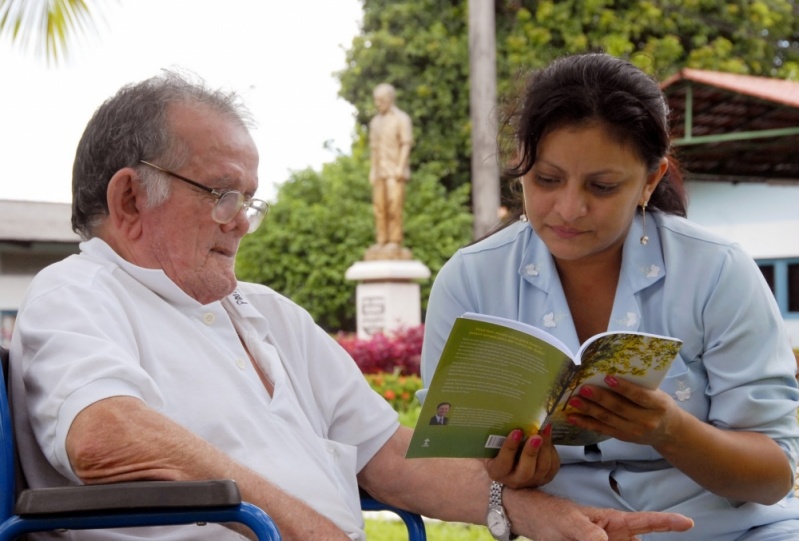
(387, 297)
(387, 252)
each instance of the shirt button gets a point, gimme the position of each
(240, 363)
(209, 318)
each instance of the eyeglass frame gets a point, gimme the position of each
(246, 201)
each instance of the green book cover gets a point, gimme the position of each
(497, 374)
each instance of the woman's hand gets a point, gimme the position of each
(736, 464)
(627, 412)
(525, 464)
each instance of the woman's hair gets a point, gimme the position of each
(596, 88)
(134, 125)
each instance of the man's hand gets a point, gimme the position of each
(525, 464)
(542, 517)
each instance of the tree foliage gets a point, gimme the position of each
(421, 47)
(322, 223)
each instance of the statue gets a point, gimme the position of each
(390, 142)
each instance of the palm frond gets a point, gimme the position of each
(45, 25)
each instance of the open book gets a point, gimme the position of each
(496, 375)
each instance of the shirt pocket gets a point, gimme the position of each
(342, 460)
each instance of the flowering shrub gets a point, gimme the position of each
(398, 390)
(399, 353)
(391, 366)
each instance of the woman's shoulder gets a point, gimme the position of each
(670, 225)
(708, 250)
(504, 239)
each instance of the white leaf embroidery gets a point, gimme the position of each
(531, 270)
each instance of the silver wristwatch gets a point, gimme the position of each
(497, 518)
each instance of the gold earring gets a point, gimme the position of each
(523, 217)
(644, 238)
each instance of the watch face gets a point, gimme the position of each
(496, 523)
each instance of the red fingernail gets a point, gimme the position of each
(575, 403)
(536, 441)
(516, 435)
(611, 381)
(585, 391)
(547, 430)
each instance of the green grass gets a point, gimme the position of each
(393, 530)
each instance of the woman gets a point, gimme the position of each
(603, 244)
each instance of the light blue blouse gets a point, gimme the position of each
(736, 369)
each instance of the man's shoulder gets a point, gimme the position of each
(74, 270)
(261, 292)
(265, 299)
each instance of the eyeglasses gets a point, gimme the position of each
(228, 204)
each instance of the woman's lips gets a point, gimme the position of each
(565, 232)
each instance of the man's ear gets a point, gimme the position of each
(126, 199)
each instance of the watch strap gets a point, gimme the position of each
(495, 502)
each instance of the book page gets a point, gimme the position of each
(493, 379)
(639, 357)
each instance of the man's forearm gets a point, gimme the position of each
(122, 439)
(458, 490)
(447, 489)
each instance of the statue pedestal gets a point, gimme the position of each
(387, 297)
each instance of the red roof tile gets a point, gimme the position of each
(776, 90)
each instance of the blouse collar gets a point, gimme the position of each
(642, 266)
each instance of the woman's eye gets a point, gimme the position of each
(545, 180)
(604, 188)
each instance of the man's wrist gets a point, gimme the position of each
(499, 524)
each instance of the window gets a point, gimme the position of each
(782, 276)
(793, 287)
(768, 274)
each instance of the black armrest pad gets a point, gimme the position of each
(128, 496)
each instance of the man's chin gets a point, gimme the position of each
(211, 290)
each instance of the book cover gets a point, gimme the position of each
(497, 374)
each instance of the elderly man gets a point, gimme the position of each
(144, 358)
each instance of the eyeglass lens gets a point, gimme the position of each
(230, 204)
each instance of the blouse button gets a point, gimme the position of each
(240, 363)
(209, 318)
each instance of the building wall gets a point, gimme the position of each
(762, 218)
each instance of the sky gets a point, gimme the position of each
(280, 56)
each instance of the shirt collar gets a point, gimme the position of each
(155, 280)
(642, 266)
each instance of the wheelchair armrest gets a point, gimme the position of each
(139, 495)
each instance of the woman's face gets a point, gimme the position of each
(583, 190)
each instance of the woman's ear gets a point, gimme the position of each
(126, 198)
(653, 179)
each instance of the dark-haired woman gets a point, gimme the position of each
(603, 244)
